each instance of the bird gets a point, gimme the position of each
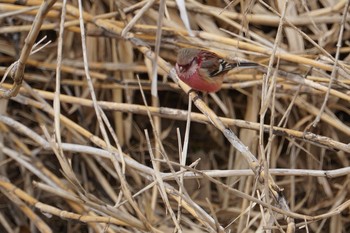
(203, 70)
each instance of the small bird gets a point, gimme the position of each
(203, 70)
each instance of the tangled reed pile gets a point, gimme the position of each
(98, 134)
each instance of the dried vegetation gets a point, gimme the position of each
(99, 135)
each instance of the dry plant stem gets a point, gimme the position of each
(125, 188)
(197, 212)
(299, 31)
(300, 102)
(34, 218)
(267, 89)
(218, 228)
(55, 211)
(94, 151)
(124, 185)
(237, 43)
(235, 142)
(115, 138)
(117, 158)
(63, 161)
(317, 16)
(146, 170)
(209, 10)
(159, 141)
(243, 195)
(70, 25)
(276, 172)
(5, 7)
(160, 184)
(136, 17)
(295, 28)
(283, 55)
(344, 71)
(45, 175)
(56, 102)
(88, 78)
(5, 224)
(187, 203)
(154, 89)
(266, 51)
(300, 80)
(17, 73)
(163, 152)
(19, 11)
(29, 166)
(110, 211)
(196, 117)
(335, 66)
(183, 152)
(103, 181)
(221, 105)
(96, 140)
(155, 101)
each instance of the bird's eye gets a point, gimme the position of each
(188, 65)
(195, 59)
(183, 68)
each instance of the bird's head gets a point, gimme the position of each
(187, 61)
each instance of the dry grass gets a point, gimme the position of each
(97, 137)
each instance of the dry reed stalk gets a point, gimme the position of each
(84, 142)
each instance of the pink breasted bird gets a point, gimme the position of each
(203, 70)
